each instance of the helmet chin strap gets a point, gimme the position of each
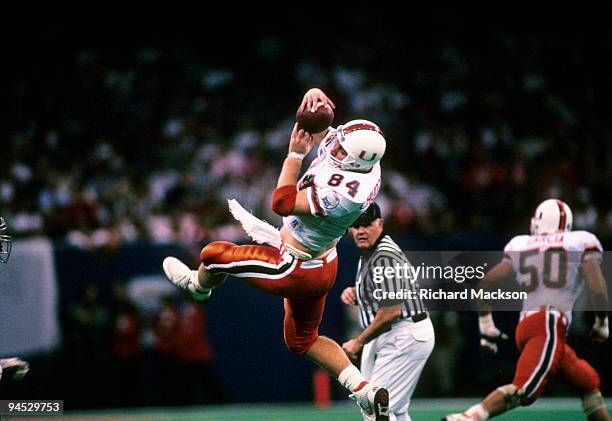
(346, 164)
(324, 152)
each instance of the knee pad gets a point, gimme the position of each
(211, 251)
(513, 396)
(592, 402)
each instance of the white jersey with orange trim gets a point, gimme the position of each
(548, 267)
(336, 198)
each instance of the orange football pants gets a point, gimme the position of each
(540, 338)
(303, 284)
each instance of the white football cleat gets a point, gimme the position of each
(373, 402)
(459, 417)
(15, 367)
(186, 279)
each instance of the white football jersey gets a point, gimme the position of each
(336, 198)
(548, 267)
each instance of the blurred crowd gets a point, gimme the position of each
(148, 142)
(118, 354)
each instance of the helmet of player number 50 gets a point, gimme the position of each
(5, 243)
(551, 216)
(361, 144)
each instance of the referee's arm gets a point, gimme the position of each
(386, 314)
(382, 322)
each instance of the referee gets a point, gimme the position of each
(397, 336)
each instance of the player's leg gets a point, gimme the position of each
(302, 319)
(255, 264)
(502, 399)
(267, 268)
(594, 406)
(185, 278)
(208, 280)
(371, 398)
(301, 325)
(327, 354)
(583, 376)
(540, 357)
(541, 340)
(199, 283)
(507, 397)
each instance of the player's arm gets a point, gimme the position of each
(388, 310)
(500, 273)
(286, 199)
(596, 283)
(490, 335)
(385, 316)
(15, 367)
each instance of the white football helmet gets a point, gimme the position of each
(6, 242)
(361, 142)
(551, 216)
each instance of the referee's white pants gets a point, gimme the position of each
(395, 360)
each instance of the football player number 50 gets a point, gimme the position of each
(554, 272)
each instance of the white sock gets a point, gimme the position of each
(196, 284)
(478, 412)
(351, 378)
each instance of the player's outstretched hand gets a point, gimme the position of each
(490, 336)
(315, 98)
(489, 343)
(600, 330)
(301, 142)
(349, 296)
(15, 367)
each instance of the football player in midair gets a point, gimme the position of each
(299, 262)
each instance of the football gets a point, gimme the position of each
(315, 122)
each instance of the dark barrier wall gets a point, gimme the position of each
(245, 325)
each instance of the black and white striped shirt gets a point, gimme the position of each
(372, 283)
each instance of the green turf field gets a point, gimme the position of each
(422, 410)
